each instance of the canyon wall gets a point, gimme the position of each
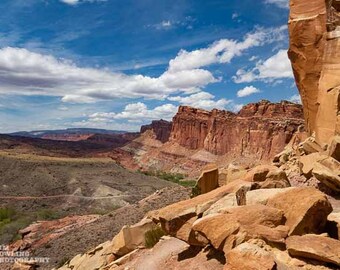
(314, 29)
(161, 129)
(262, 129)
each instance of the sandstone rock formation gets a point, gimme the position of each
(314, 29)
(208, 180)
(213, 231)
(161, 128)
(131, 237)
(198, 137)
(315, 247)
(307, 215)
(261, 129)
(249, 256)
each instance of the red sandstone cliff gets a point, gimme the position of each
(161, 128)
(261, 129)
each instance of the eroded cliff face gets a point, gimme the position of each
(161, 129)
(314, 28)
(261, 129)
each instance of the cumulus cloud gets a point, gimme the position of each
(203, 100)
(276, 67)
(224, 50)
(279, 3)
(24, 72)
(75, 2)
(247, 91)
(136, 112)
(28, 73)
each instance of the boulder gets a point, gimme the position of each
(309, 146)
(226, 202)
(249, 256)
(94, 259)
(334, 148)
(231, 174)
(327, 176)
(208, 180)
(307, 163)
(315, 247)
(175, 216)
(275, 179)
(306, 209)
(239, 224)
(261, 196)
(131, 237)
(259, 173)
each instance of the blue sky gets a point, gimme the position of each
(119, 64)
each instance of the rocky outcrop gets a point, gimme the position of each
(161, 128)
(260, 129)
(315, 247)
(314, 29)
(42, 232)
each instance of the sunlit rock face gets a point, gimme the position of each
(314, 28)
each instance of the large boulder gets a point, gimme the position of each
(268, 176)
(315, 247)
(96, 258)
(276, 179)
(175, 218)
(239, 224)
(230, 174)
(261, 196)
(248, 256)
(306, 209)
(208, 180)
(327, 176)
(131, 237)
(307, 163)
(226, 202)
(259, 173)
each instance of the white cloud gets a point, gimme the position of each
(247, 91)
(27, 73)
(75, 2)
(296, 99)
(137, 111)
(279, 3)
(235, 15)
(23, 72)
(201, 100)
(166, 24)
(224, 50)
(276, 67)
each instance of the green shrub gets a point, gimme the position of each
(6, 214)
(189, 183)
(195, 192)
(152, 237)
(47, 214)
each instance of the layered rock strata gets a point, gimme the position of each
(260, 129)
